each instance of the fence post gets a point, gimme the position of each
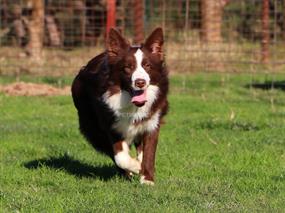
(111, 15)
(265, 32)
(36, 29)
(138, 21)
(186, 27)
(284, 19)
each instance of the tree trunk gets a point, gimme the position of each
(211, 18)
(53, 33)
(36, 31)
(265, 32)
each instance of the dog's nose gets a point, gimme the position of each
(140, 83)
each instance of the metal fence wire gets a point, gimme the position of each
(59, 36)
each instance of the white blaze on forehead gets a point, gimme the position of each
(139, 56)
(140, 71)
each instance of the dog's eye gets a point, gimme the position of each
(128, 69)
(146, 66)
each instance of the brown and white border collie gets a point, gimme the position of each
(121, 97)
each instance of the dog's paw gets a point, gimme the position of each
(135, 166)
(146, 182)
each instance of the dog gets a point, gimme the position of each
(121, 98)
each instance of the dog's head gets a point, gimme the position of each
(136, 67)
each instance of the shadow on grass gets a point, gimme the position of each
(267, 85)
(74, 167)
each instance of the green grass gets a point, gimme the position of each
(222, 149)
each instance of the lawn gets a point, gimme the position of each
(222, 149)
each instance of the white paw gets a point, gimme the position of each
(146, 182)
(126, 162)
(134, 166)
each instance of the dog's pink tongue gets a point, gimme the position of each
(139, 97)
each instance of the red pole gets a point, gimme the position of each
(111, 15)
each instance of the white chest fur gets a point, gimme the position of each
(131, 120)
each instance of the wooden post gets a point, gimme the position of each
(36, 29)
(283, 19)
(265, 32)
(138, 21)
(187, 17)
(111, 15)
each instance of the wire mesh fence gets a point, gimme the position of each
(57, 37)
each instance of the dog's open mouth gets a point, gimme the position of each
(139, 97)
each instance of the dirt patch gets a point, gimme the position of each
(32, 89)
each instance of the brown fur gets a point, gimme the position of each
(111, 71)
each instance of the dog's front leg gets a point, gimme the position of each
(148, 163)
(123, 159)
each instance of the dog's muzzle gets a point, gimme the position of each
(139, 97)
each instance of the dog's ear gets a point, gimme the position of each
(154, 43)
(116, 43)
